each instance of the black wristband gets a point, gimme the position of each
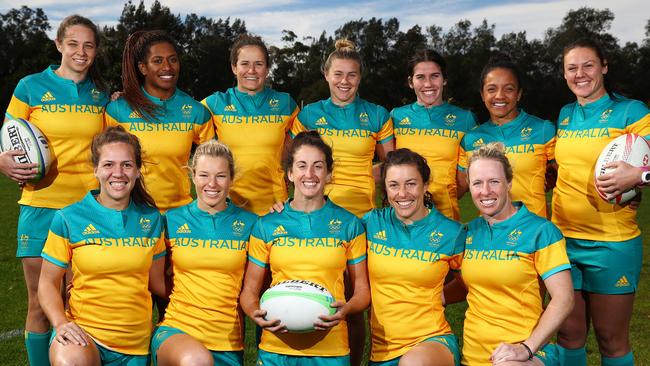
(530, 352)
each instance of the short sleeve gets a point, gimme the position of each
(550, 254)
(386, 132)
(356, 250)
(57, 248)
(292, 118)
(459, 248)
(19, 106)
(110, 114)
(297, 126)
(204, 128)
(258, 250)
(638, 119)
(462, 155)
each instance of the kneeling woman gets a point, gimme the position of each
(509, 252)
(310, 215)
(112, 240)
(207, 240)
(412, 246)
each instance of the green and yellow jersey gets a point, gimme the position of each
(208, 256)
(255, 128)
(352, 131)
(530, 145)
(503, 267)
(582, 133)
(317, 247)
(69, 115)
(435, 133)
(409, 259)
(110, 253)
(166, 143)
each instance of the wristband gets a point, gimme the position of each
(645, 175)
(530, 352)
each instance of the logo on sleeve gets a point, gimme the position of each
(89, 230)
(622, 282)
(321, 121)
(184, 229)
(381, 235)
(405, 122)
(279, 231)
(230, 108)
(48, 97)
(513, 237)
(450, 119)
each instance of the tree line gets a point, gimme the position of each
(204, 42)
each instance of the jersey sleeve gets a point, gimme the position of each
(57, 248)
(110, 114)
(357, 245)
(297, 126)
(293, 106)
(386, 132)
(638, 119)
(550, 254)
(204, 129)
(160, 247)
(462, 154)
(258, 250)
(207, 102)
(459, 248)
(549, 140)
(19, 105)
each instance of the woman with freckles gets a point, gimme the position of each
(603, 239)
(412, 247)
(207, 240)
(433, 128)
(530, 141)
(510, 254)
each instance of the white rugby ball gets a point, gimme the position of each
(297, 303)
(18, 134)
(630, 148)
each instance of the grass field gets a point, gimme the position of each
(13, 295)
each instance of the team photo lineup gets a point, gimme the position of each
(326, 224)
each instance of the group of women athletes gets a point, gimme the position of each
(113, 239)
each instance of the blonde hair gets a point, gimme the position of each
(215, 149)
(343, 49)
(493, 151)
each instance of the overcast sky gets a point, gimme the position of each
(309, 18)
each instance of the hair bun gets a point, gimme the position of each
(344, 44)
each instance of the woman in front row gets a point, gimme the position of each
(207, 240)
(412, 247)
(509, 252)
(278, 245)
(112, 240)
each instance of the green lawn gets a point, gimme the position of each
(13, 295)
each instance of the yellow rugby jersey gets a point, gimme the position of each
(435, 133)
(166, 143)
(530, 145)
(503, 265)
(69, 115)
(255, 128)
(208, 256)
(110, 253)
(317, 247)
(352, 131)
(583, 132)
(409, 259)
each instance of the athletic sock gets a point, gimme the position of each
(625, 360)
(573, 357)
(38, 348)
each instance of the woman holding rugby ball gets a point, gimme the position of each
(112, 240)
(207, 240)
(412, 247)
(66, 103)
(279, 244)
(254, 120)
(510, 255)
(603, 239)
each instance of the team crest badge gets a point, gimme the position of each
(363, 117)
(468, 240)
(238, 227)
(95, 94)
(450, 119)
(526, 132)
(145, 224)
(274, 103)
(513, 236)
(186, 109)
(604, 117)
(435, 238)
(335, 226)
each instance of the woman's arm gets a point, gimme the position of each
(358, 302)
(49, 295)
(158, 284)
(249, 299)
(560, 288)
(382, 150)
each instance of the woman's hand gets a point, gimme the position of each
(277, 207)
(622, 178)
(273, 325)
(509, 352)
(17, 172)
(70, 332)
(329, 321)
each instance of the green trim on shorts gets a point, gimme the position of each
(160, 335)
(33, 227)
(448, 340)
(109, 357)
(605, 267)
(265, 358)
